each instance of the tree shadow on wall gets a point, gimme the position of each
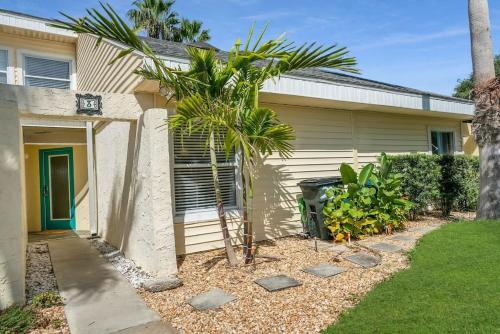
(274, 204)
(125, 191)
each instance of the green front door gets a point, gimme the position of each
(57, 193)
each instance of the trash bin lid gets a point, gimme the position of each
(320, 181)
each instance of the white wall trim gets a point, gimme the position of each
(10, 63)
(32, 23)
(21, 53)
(59, 123)
(322, 89)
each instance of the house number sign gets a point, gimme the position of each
(88, 104)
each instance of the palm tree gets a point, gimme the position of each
(155, 17)
(191, 32)
(215, 97)
(486, 95)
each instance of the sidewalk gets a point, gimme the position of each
(98, 299)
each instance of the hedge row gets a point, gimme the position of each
(447, 182)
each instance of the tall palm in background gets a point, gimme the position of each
(486, 122)
(160, 21)
(220, 98)
(155, 17)
(191, 31)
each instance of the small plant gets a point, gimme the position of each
(16, 320)
(369, 203)
(46, 299)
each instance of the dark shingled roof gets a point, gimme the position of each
(178, 50)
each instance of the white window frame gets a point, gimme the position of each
(23, 53)
(10, 67)
(208, 214)
(454, 133)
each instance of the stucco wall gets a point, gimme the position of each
(133, 191)
(12, 208)
(325, 139)
(32, 175)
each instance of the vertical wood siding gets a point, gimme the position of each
(96, 74)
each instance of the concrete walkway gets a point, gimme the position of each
(98, 299)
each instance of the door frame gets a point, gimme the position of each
(44, 155)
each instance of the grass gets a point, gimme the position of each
(16, 319)
(452, 286)
(20, 319)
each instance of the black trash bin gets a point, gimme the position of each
(312, 190)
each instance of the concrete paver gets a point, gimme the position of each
(211, 299)
(364, 260)
(324, 270)
(277, 283)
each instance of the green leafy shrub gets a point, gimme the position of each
(420, 179)
(46, 299)
(369, 203)
(466, 171)
(441, 182)
(16, 319)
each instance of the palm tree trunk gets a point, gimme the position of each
(249, 244)
(245, 203)
(231, 256)
(487, 137)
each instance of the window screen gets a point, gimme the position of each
(41, 72)
(442, 142)
(193, 183)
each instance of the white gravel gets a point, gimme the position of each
(39, 273)
(133, 273)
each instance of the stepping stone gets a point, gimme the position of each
(423, 229)
(363, 260)
(404, 238)
(277, 283)
(328, 246)
(324, 270)
(385, 247)
(210, 300)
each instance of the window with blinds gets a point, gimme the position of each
(50, 73)
(193, 182)
(4, 61)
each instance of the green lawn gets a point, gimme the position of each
(452, 286)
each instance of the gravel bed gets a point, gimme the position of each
(308, 308)
(40, 277)
(39, 273)
(133, 273)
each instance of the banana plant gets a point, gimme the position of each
(351, 179)
(370, 201)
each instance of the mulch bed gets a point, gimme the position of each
(308, 308)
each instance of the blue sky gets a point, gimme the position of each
(422, 44)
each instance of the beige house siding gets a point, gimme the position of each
(470, 146)
(325, 139)
(32, 176)
(397, 134)
(19, 45)
(96, 74)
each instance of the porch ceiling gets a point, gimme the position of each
(51, 135)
